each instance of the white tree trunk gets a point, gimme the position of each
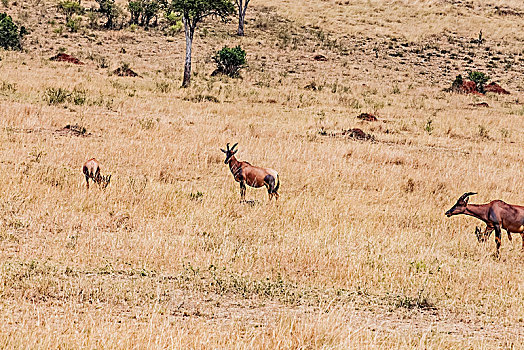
(189, 30)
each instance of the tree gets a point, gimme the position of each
(242, 8)
(111, 11)
(10, 35)
(192, 13)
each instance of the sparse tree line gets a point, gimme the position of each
(176, 14)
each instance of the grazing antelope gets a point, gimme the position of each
(496, 214)
(91, 170)
(254, 176)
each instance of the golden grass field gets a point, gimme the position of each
(357, 253)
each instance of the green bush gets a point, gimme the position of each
(10, 35)
(230, 60)
(74, 24)
(70, 8)
(56, 96)
(479, 78)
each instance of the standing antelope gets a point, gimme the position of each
(254, 176)
(91, 170)
(495, 214)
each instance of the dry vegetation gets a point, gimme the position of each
(357, 252)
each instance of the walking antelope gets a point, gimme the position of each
(91, 170)
(254, 176)
(496, 214)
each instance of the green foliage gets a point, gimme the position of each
(74, 24)
(111, 11)
(196, 10)
(10, 34)
(70, 8)
(56, 96)
(174, 23)
(479, 78)
(174, 29)
(142, 11)
(428, 127)
(135, 9)
(230, 60)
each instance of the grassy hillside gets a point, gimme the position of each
(357, 253)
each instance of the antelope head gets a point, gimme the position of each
(460, 206)
(229, 152)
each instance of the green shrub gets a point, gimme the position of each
(10, 34)
(70, 8)
(174, 29)
(56, 96)
(479, 78)
(230, 60)
(74, 24)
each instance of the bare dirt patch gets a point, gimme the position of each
(496, 89)
(63, 57)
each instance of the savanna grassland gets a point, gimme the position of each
(357, 253)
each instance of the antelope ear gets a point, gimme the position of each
(234, 152)
(223, 150)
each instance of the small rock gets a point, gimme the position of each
(367, 117)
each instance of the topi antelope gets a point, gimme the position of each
(91, 170)
(496, 214)
(254, 176)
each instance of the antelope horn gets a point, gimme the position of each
(232, 148)
(227, 146)
(466, 195)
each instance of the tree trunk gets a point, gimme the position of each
(189, 30)
(241, 17)
(242, 8)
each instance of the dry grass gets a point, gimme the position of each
(356, 254)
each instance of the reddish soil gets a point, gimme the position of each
(367, 117)
(496, 88)
(63, 57)
(468, 87)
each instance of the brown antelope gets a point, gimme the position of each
(91, 170)
(496, 214)
(254, 176)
